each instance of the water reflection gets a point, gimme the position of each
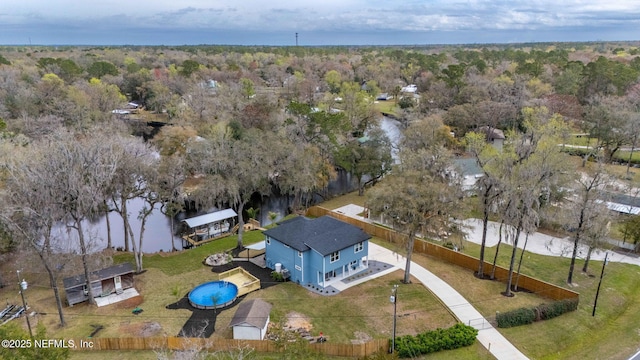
(157, 234)
(391, 128)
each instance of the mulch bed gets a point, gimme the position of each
(202, 322)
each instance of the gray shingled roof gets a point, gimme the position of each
(99, 275)
(324, 234)
(253, 312)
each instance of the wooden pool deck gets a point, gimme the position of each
(245, 282)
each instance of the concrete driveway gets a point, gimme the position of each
(543, 244)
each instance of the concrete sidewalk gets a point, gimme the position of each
(488, 336)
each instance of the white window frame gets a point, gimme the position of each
(334, 256)
(358, 247)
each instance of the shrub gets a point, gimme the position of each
(516, 317)
(276, 276)
(524, 316)
(457, 336)
(449, 245)
(556, 308)
(406, 102)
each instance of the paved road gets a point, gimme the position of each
(538, 243)
(544, 244)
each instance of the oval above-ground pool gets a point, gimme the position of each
(213, 295)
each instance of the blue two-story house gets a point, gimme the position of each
(316, 251)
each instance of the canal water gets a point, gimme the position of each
(158, 236)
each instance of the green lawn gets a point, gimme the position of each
(388, 107)
(611, 334)
(182, 262)
(350, 198)
(581, 140)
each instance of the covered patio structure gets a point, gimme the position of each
(208, 227)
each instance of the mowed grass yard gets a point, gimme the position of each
(358, 314)
(365, 312)
(613, 333)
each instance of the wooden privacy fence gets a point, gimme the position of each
(225, 345)
(539, 287)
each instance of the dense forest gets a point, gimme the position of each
(86, 129)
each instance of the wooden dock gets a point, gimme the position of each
(190, 238)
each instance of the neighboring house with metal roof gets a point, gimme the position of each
(112, 280)
(251, 320)
(622, 203)
(316, 251)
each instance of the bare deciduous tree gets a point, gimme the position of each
(134, 178)
(534, 166)
(421, 195)
(585, 211)
(77, 169)
(488, 186)
(64, 175)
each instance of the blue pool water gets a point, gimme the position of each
(212, 295)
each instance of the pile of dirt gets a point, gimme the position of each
(297, 321)
(296, 325)
(150, 329)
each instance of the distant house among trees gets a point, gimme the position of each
(623, 204)
(412, 89)
(470, 171)
(494, 136)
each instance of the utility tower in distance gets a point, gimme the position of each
(296, 39)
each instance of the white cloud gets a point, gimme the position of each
(315, 15)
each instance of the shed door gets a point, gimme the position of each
(118, 282)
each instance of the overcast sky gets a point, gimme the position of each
(318, 22)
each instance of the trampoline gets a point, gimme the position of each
(213, 295)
